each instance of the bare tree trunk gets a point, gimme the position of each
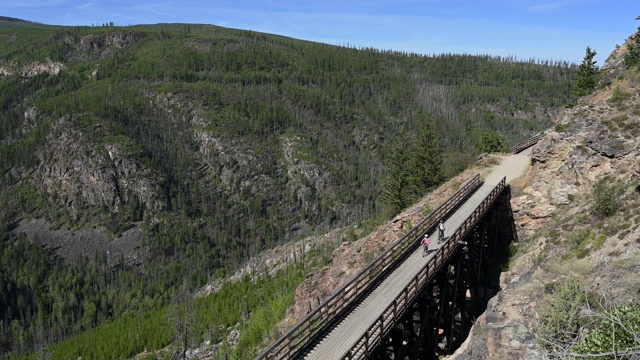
(182, 317)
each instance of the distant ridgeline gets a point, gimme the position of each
(201, 146)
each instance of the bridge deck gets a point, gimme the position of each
(350, 329)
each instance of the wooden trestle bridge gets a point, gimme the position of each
(406, 305)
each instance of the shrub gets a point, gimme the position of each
(616, 329)
(582, 253)
(427, 210)
(599, 241)
(618, 96)
(490, 142)
(576, 238)
(607, 198)
(367, 257)
(560, 313)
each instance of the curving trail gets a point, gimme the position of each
(512, 166)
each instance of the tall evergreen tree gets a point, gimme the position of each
(427, 158)
(587, 75)
(413, 169)
(397, 192)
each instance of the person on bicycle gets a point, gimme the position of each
(425, 242)
(440, 231)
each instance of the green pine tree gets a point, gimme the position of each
(397, 190)
(427, 159)
(587, 75)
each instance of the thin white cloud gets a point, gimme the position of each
(552, 6)
(83, 6)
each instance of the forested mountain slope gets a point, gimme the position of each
(135, 159)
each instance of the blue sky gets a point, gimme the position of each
(558, 30)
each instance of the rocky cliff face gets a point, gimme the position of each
(81, 173)
(28, 70)
(614, 65)
(93, 47)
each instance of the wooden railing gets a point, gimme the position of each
(373, 336)
(333, 307)
(525, 144)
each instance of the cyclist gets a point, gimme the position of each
(425, 242)
(440, 232)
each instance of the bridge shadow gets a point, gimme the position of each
(499, 228)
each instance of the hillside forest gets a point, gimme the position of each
(181, 151)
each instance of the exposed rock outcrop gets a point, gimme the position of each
(100, 46)
(79, 173)
(635, 171)
(614, 65)
(86, 242)
(28, 70)
(115, 39)
(567, 164)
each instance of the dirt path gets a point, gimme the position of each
(512, 166)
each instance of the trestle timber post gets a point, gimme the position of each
(439, 321)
